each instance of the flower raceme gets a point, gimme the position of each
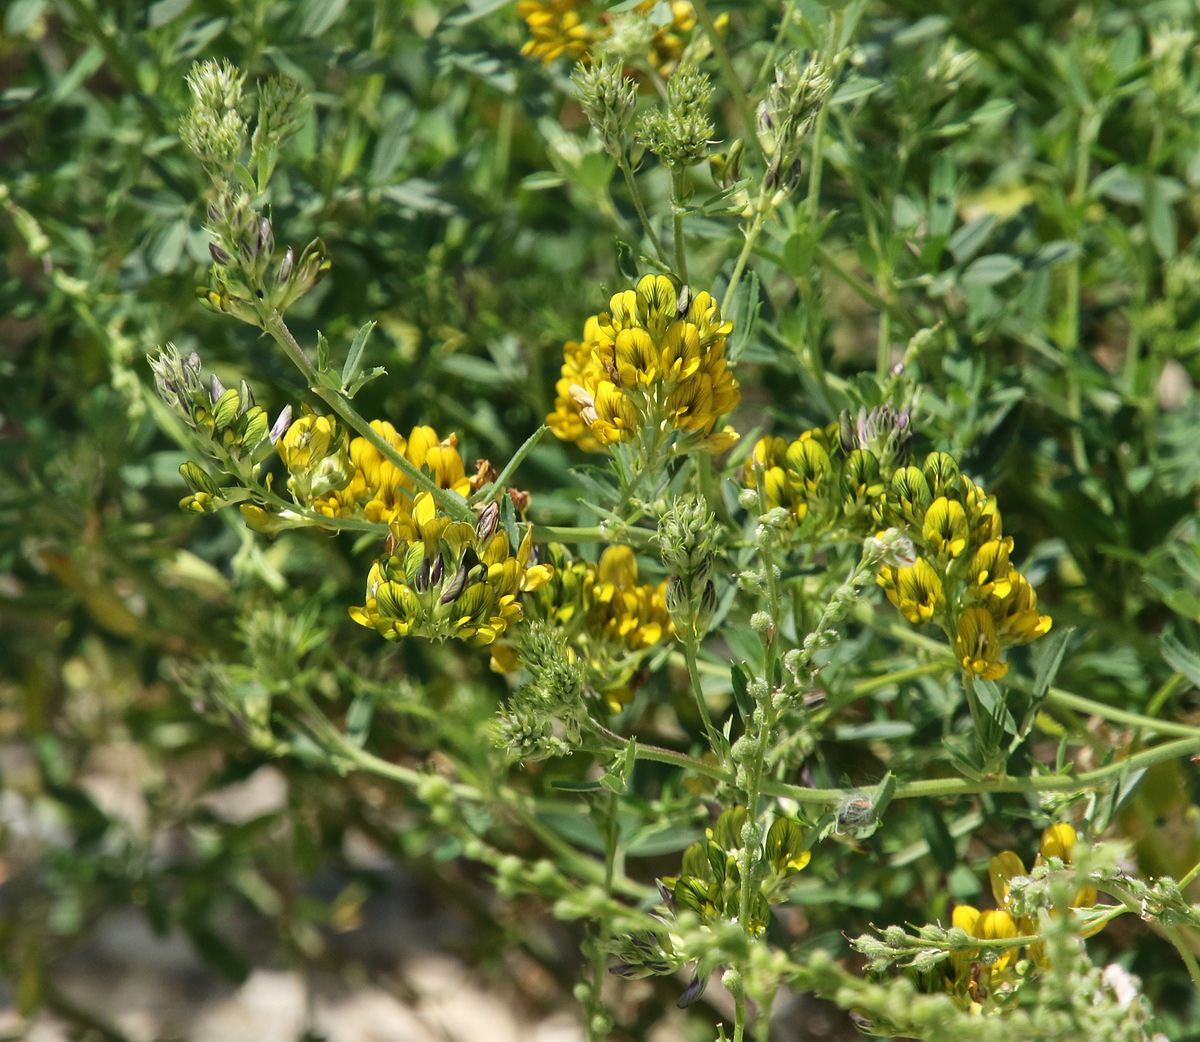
(1000, 923)
(653, 365)
(606, 617)
(851, 478)
(443, 578)
(572, 28)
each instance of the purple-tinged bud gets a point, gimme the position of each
(215, 388)
(489, 521)
(245, 250)
(246, 395)
(420, 581)
(438, 571)
(193, 361)
(214, 214)
(219, 255)
(286, 265)
(266, 238)
(280, 426)
(693, 991)
(459, 583)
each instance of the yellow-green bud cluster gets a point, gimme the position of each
(680, 135)
(213, 129)
(686, 543)
(786, 116)
(608, 100)
(236, 432)
(444, 578)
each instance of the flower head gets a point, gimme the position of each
(654, 362)
(445, 578)
(556, 30)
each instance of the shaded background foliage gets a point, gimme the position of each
(455, 187)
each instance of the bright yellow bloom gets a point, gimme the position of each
(556, 30)
(945, 529)
(447, 578)
(580, 369)
(1015, 612)
(379, 490)
(655, 361)
(977, 645)
(607, 618)
(314, 451)
(917, 590)
(909, 496)
(989, 570)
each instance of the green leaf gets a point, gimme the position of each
(358, 718)
(941, 843)
(164, 12)
(1048, 656)
(992, 111)
(392, 145)
(965, 243)
(319, 15)
(354, 359)
(854, 89)
(739, 678)
(1182, 660)
(989, 270)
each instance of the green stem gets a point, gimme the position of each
(1175, 936)
(636, 195)
(763, 211)
(715, 742)
(741, 101)
(1056, 696)
(1089, 127)
(680, 244)
(641, 538)
(812, 203)
(276, 328)
(907, 321)
(1191, 874)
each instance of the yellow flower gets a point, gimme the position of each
(917, 590)
(989, 570)
(379, 490)
(977, 645)
(606, 617)
(314, 451)
(580, 369)
(556, 30)
(447, 578)
(655, 361)
(945, 529)
(1015, 611)
(909, 496)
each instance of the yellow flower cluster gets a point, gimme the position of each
(653, 364)
(991, 605)
(962, 578)
(378, 490)
(973, 977)
(444, 578)
(557, 29)
(606, 617)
